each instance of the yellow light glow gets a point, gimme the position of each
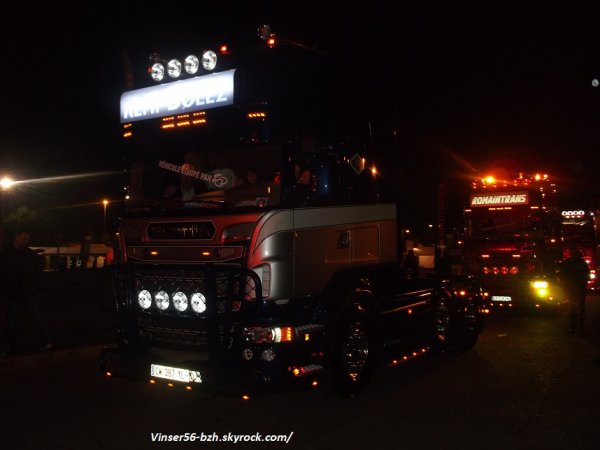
(540, 284)
(152, 381)
(489, 179)
(315, 383)
(108, 374)
(170, 385)
(105, 202)
(127, 134)
(6, 183)
(154, 253)
(189, 388)
(287, 334)
(538, 177)
(205, 253)
(373, 170)
(307, 337)
(296, 372)
(245, 397)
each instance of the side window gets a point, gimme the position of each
(324, 182)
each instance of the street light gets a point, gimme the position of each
(105, 204)
(5, 184)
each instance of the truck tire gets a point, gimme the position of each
(353, 358)
(471, 319)
(446, 332)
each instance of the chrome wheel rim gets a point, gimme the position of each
(442, 321)
(355, 349)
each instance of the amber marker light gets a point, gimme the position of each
(170, 385)
(108, 374)
(245, 397)
(315, 383)
(152, 381)
(205, 253)
(188, 388)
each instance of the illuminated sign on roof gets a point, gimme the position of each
(194, 94)
(500, 199)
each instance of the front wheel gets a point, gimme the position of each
(354, 352)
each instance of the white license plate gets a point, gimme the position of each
(501, 298)
(175, 374)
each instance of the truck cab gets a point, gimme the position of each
(276, 279)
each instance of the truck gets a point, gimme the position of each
(579, 229)
(289, 277)
(513, 242)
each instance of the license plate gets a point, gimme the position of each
(501, 298)
(175, 374)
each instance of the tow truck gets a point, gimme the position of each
(290, 280)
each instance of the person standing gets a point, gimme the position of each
(21, 272)
(575, 274)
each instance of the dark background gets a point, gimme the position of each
(464, 87)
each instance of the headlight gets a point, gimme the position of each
(209, 60)
(191, 64)
(157, 72)
(260, 335)
(174, 68)
(162, 300)
(180, 301)
(198, 302)
(144, 299)
(541, 288)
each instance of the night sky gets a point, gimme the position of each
(480, 85)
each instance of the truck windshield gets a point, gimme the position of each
(507, 222)
(220, 167)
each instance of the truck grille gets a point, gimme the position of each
(192, 335)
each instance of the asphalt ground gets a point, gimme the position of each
(78, 317)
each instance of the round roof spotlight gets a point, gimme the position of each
(191, 64)
(209, 60)
(174, 68)
(157, 71)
